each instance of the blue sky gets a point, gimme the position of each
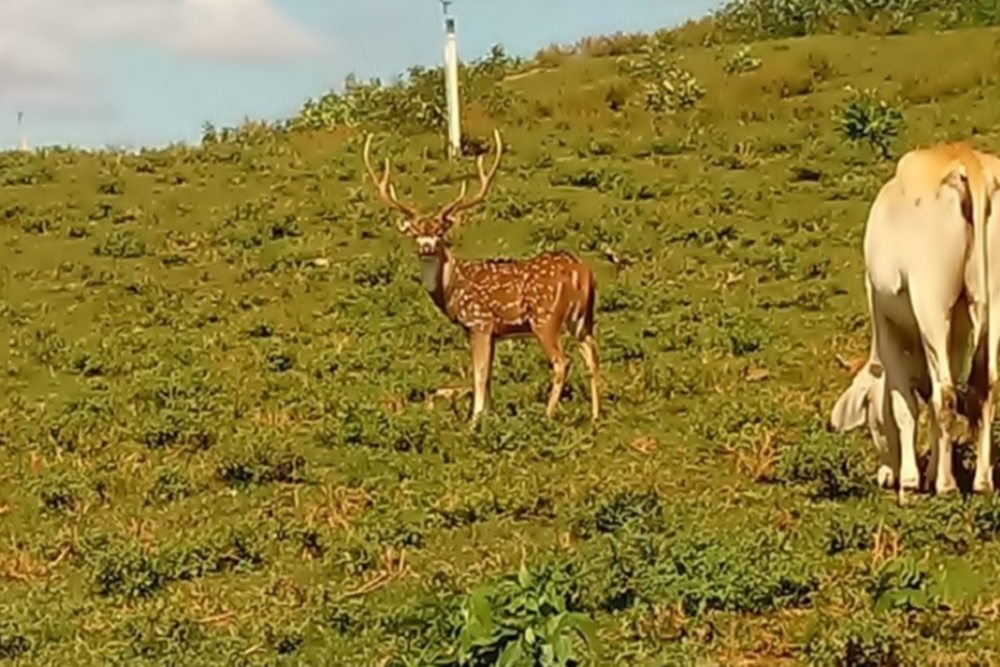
(137, 93)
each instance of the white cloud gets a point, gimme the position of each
(43, 42)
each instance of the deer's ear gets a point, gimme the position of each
(404, 226)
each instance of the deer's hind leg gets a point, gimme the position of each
(588, 350)
(548, 336)
(581, 322)
(584, 333)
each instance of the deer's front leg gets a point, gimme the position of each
(481, 344)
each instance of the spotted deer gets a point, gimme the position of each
(496, 299)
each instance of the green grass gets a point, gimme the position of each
(220, 436)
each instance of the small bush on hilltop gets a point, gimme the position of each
(667, 87)
(418, 100)
(769, 19)
(741, 61)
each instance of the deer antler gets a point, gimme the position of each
(385, 189)
(460, 204)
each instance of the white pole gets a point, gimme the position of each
(451, 82)
(20, 130)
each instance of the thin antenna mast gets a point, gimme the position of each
(451, 81)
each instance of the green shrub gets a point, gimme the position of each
(862, 641)
(699, 572)
(869, 119)
(121, 244)
(826, 466)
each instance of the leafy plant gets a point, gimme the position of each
(667, 87)
(531, 618)
(741, 61)
(828, 468)
(122, 244)
(902, 584)
(867, 118)
(13, 643)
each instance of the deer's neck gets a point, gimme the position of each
(436, 273)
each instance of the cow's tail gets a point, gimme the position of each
(979, 192)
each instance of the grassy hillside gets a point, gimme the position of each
(221, 433)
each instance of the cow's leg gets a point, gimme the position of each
(895, 436)
(986, 337)
(884, 431)
(933, 312)
(983, 480)
(900, 416)
(885, 435)
(982, 379)
(958, 345)
(894, 428)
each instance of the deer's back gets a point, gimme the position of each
(510, 295)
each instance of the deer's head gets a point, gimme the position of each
(431, 231)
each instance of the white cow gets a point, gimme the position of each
(926, 268)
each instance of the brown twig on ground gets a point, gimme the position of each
(394, 566)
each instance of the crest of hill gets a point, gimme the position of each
(749, 62)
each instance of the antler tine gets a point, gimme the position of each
(450, 207)
(385, 189)
(485, 181)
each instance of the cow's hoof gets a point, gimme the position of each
(945, 488)
(983, 483)
(910, 482)
(886, 477)
(911, 497)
